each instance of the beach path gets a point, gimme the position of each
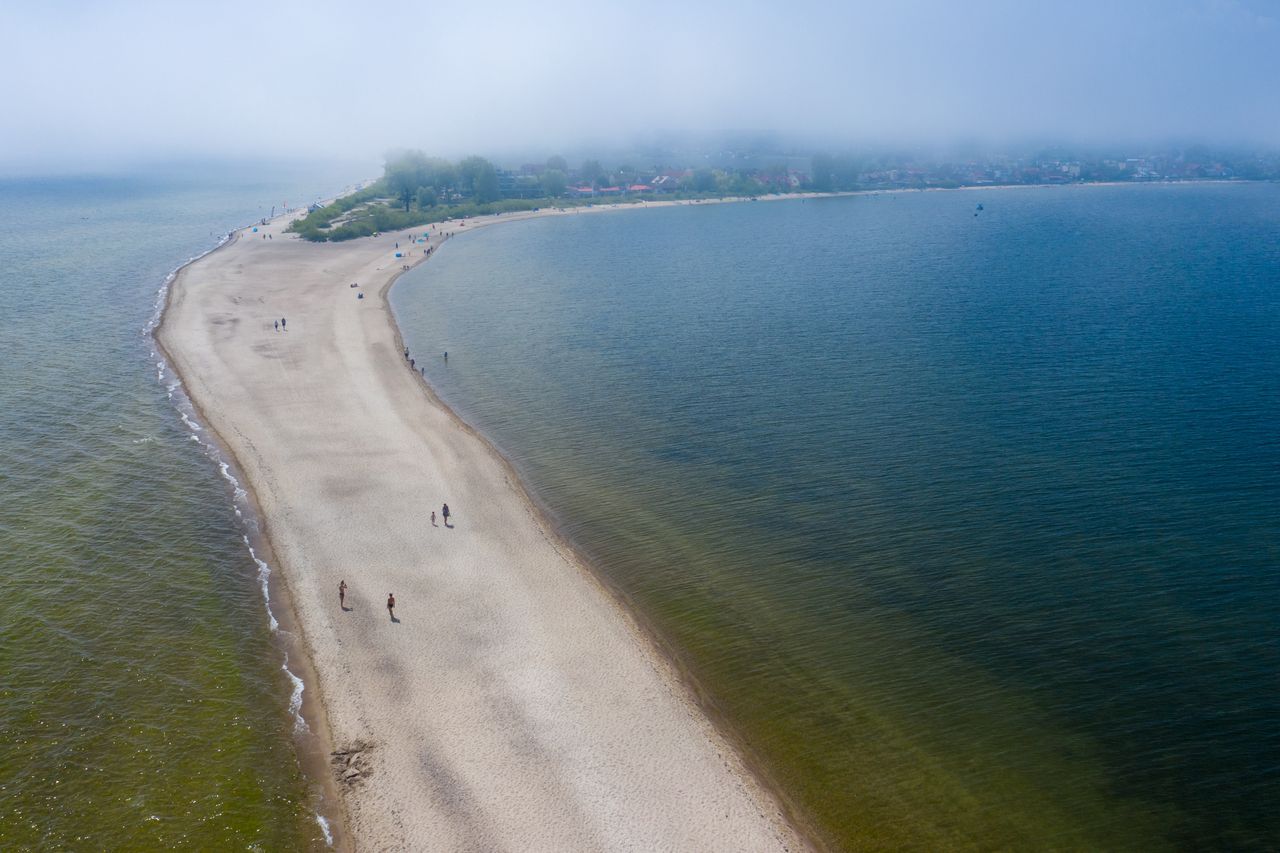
(514, 705)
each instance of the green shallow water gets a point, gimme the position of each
(143, 703)
(967, 524)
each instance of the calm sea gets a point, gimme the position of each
(144, 702)
(969, 524)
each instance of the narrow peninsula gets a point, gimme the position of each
(509, 703)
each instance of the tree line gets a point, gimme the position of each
(416, 189)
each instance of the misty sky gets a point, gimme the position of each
(88, 83)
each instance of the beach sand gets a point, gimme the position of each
(512, 704)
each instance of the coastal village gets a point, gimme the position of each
(417, 189)
(740, 171)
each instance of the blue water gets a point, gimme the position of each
(968, 525)
(144, 703)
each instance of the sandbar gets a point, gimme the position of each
(514, 703)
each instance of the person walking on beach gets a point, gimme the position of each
(444, 512)
(342, 594)
(277, 325)
(283, 322)
(433, 518)
(391, 606)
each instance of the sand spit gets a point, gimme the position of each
(511, 704)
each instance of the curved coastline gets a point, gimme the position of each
(787, 825)
(313, 740)
(635, 617)
(666, 653)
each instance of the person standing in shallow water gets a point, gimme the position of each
(391, 605)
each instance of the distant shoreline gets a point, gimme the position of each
(553, 205)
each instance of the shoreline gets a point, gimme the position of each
(313, 741)
(667, 653)
(315, 762)
(782, 827)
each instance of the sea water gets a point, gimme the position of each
(144, 700)
(967, 521)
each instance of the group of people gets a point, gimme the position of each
(413, 365)
(281, 324)
(444, 510)
(391, 598)
(342, 599)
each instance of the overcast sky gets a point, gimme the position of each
(89, 82)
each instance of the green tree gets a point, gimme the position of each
(444, 179)
(487, 187)
(592, 172)
(741, 183)
(527, 186)
(824, 167)
(558, 164)
(426, 198)
(468, 170)
(704, 180)
(404, 172)
(478, 178)
(553, 183)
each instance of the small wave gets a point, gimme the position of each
(295, 699)
(162, 295)
(264, 577)
(324, 827)
(146, 439)
(240, 497)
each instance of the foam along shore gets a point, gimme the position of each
(511, 704)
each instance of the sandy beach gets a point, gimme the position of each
(511, 703)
